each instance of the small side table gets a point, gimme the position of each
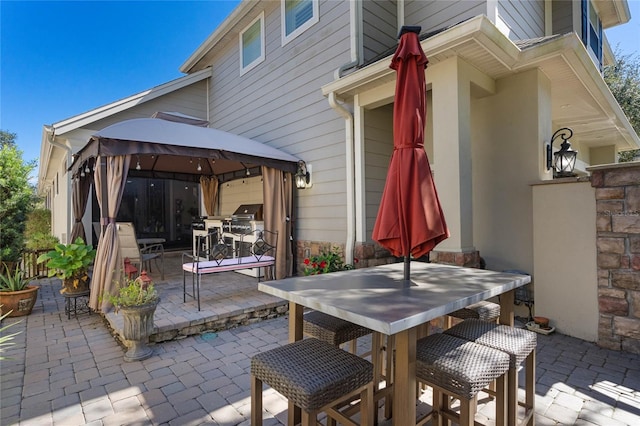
(71, 303)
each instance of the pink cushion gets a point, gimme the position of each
(211, 266)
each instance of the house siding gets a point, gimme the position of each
(279, 103)
(524, 19)
(562, 17)
(378, 146)
(436, 14)
(190, 100)
(379, 27)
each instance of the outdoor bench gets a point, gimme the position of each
(219, 257)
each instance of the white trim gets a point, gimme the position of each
(246, 68)
(308, 24)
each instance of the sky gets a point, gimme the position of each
(59, 59)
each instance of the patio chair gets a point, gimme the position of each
(129, 248)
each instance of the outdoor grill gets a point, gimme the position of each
(241, 219)
(198, 224)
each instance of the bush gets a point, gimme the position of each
(38, 231)
(17, 197)
(326, 262)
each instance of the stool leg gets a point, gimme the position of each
(256, 401)
(467, 411)
(308, 419)
(512, 396)
(530, 377)
(500, 385)
(367, 406)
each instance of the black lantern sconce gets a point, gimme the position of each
(303, 175)
(564, 160)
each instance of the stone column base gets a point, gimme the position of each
(469, 259)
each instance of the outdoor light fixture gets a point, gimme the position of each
(199, 168)
(564, 160)
(303, 175)
(138, 164)
(87, 169)
(248, 173)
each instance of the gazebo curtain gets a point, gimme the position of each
(210, 186)
(80, 188)
(110, 178)
(278, 191)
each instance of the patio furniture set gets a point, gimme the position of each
(458, 363)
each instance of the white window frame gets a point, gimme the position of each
(248, 67)
(590, 11)
(302, 28)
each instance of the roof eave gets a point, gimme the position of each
(104, 111)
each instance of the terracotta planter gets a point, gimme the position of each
(76, 284)
(138, 326)
(19, 302)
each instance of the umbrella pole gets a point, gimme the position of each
(407, 267)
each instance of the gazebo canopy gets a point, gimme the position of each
(162, 148)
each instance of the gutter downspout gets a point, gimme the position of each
(52, 140)
(351, 227)
(356, 54)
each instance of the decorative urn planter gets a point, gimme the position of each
(138, 326)
(19, 302)
(78, 284)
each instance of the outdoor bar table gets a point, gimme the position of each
(380, 299)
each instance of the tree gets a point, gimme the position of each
(623, 79)
(17, 197)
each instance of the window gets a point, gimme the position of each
(252, 45)
(297, 16)
(592, 31)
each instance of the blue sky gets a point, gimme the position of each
(60, 59)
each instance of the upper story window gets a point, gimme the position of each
(297, 16)
(252, 45)
(592, 31)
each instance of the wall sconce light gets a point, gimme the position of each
(303, 175)
(564, 160)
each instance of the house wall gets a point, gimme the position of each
(508, 133)
(564, 240)
(240, 191)
(379, 27)
(436, 14)
(279, 103)
(521, 19)
(190, 100)
(562, 17)
(61, 193)
(378, 145)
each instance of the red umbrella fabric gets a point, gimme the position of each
(410, 219)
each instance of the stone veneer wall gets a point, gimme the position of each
(618, 243)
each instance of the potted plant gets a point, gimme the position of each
(70, 263)
(17, 297)
(137, 301)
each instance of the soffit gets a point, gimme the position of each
(579, 96)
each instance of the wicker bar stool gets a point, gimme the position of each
(458, 368)
(484, 311)
(315, 376)
(332, 330)
(520, 345)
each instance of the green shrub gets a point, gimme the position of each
(326, 262)
(38, 231)
(68, 260)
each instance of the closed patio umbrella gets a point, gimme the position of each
(410, 220)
